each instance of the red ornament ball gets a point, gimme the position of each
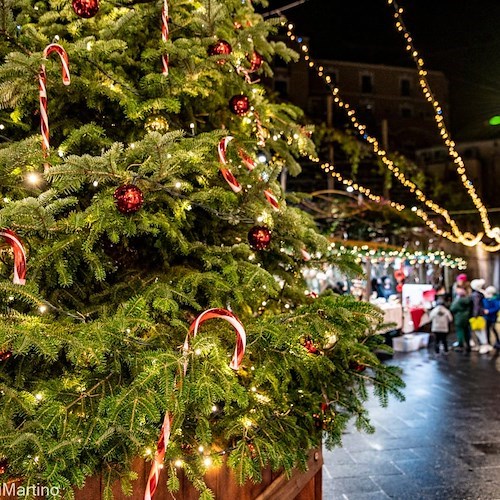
(256, 61)
(85, 8)
(4, 465)
(239, 105)
(128, 199)
(309, 345)
(259, 237)
(5, 355)
(220, 48)
(357, 367)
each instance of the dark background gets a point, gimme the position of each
(459, 37)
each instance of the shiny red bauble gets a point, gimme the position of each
(256, 61)
(309, 345)
(5, 355)
(357, 367)
(239, 105)
(259, 237)
(85, 8)
(220, 48)
(128, 199)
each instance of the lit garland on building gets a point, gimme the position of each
(388, 255)
(438, 117)
(456, 235)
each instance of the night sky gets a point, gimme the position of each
(459, 37)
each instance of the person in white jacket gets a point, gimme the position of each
(441, 318)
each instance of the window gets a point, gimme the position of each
(317, 107)
(366, 84)
(405, 85)
(366, 107)
(406, 111)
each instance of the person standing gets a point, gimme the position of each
(479, 330)
(460, 282)
(461, 309)
(441, 318)
(491, 306)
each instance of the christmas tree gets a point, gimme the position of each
(149, 197)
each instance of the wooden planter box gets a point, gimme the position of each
(301, 486)
(274, 485)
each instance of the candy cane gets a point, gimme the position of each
(249, 164)
(228, 316)
(226, 173)
(235, 364)
(154, 474)
(261, 136)
(164, 35)
(305, 254)
(42, 79)
(11, 238)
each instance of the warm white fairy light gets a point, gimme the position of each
(387, 255)
(33, 178)
(468, 240)
(456, 235)
(438, 117)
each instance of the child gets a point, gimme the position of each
(441, 318)
(491, 306)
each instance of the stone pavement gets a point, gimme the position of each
(443, 442)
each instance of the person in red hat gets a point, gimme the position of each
(460, 282)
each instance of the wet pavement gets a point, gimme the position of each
(443, 442)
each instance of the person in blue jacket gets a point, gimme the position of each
(491, 306)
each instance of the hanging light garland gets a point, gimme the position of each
(439, 119)
(381, 255)
(327, 167)
(471, 240)
(457, 236)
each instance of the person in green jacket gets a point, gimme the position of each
(461, 309)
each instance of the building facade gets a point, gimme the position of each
(388, 99)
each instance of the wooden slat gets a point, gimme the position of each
(222, 481)
(291, 488)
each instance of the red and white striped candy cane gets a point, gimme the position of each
(261, 135)
(235, 364)
(249, 163)
(12, 239)
(164, 35)
(228, 316)
(226, 173)
(273, 201)
(157, 466)
(42, 79)
(305, 254)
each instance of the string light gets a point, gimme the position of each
(389, 254)
(33, 178)
(439, 119)
(466, 239)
